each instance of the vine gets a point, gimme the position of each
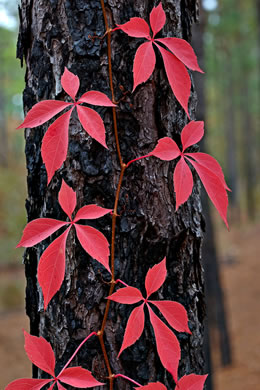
(177, 55)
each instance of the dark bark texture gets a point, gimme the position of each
(54, 34)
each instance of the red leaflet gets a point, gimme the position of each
(67, 199)
(166, 149)
(174, 313)
(134, 328)
(144, 63)
(78, 377)
(192, 382)
(55, 144)
(94, 243)
(51, 268)
(126, 295)
(136, 27)
(192, 134)
(157, 19)
(60, 387)
(178, 77)
(207, 167)
(40, 352)
(70, 83)
(183, 182)
(96, 98)
(167, 345)
(42, 112)
(152, 386)
(39, 229)
(183, 51)
(93, 124)
(155, 277)
(178, 55)
(91, 211)
(28, 384)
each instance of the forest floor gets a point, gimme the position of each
(240, 269)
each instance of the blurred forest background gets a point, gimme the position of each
(227, 42)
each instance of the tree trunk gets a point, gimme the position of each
(54, 34)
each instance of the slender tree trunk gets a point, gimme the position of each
(54, 34)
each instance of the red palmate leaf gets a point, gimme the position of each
(78, 377)
(183, 182)
(27, 384)
(192, 133)
(168, 347)
(155, 277)
(40, 352)
(211, 164)
(127, 295)
(152, 386)
(183, 51)
(136, 27)
(157, 19)
(192, 382)
(178, 77)
(174, 313)
(39, 229)
(51, 269)
(94, 243)
(55, 144)
(91, 211)
(70, 83)
(215, 189)
(144, 63)
(96, 98)
(67, 199)
(134, 328)
(42, 112)
(93, 124)
(166, 149)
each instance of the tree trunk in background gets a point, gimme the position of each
(3, 133)
(54, 34)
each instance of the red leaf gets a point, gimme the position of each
(51, 269)
(60, 387)
(93, 124)
(214, 187)
(183, 51)
(78, 377)
(91, 211)
(39, 229)
(144, 63)
(70, 83)
(55, 144)
(94, 243)
(166, 149)
(192, 133)
(211, 164)
(168, 347)
(136, 27)
(152, 386)
(126, 295)
(134, 328)
(97, 99)
(67, 199)
(27, 384)
(183, 182)
(178, 77)
(155, 277)
(175, 314)
(40, 352)
(42, 112)
(192, 382)
(157, 19)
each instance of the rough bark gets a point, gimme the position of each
(54, 34)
